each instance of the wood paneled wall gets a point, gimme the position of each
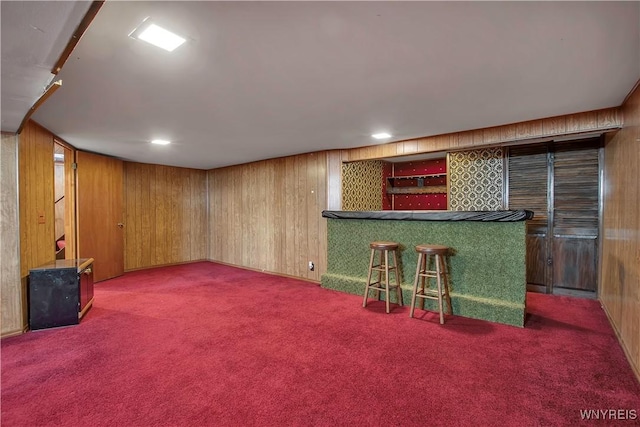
(572, 124)
(620, 260)
(11, 296)
(267, 215)
(165, 215)
(334, 179)
(37, 219)
(36, 216)
(70, 203)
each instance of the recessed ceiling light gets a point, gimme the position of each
(161, 142)
(157, 36)
(381, 135)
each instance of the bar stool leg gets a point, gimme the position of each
(380, 264)
(415, 285)
(366, 289)
(425, 277)
(439, 282)
(386, 279)
(446, 284)
(398, 289)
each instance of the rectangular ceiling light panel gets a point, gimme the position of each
(157, 36)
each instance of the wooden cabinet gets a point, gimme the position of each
(60, 293)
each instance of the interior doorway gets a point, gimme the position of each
(64, 201)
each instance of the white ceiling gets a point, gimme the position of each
(259, 80)
(34, 34)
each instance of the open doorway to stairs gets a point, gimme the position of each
(64, 208)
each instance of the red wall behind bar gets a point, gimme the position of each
(415, 202)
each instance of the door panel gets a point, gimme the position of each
(536, 259)
(100, 210)
(527, 188)
(576, 215)
(70, 202)
(560, 183)
(575, 263)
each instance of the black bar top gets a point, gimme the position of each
(482, 216)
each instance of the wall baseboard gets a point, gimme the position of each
(304, 279)
(14, 333)
(166, 265)
(627, 353)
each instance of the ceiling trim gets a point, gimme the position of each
(633, 89)
(75, 38)
(77, 34)
(47, 93)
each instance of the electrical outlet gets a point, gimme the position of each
(311, 266)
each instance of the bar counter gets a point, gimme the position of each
(488, 262)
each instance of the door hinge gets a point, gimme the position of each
(74, 165)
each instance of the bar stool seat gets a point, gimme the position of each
(427, 253)
(384, 269)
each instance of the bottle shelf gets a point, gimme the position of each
(420, 185)
(431, 189)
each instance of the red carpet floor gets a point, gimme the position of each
(211, 345)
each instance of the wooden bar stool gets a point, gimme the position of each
(426, 254)
(383, 267)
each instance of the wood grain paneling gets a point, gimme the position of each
(36, 196)
(575, 262)
(536, 258)
(70, 203)
(578, 122)
(100, 210)
(11, 292)
(620, 261)
(554, 126)
(529, 130)
(571, 124)
(267, 215)
(334, 180)
(165, 215)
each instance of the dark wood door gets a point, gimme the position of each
(560, 183)
(100, 213)
(575, 216)
(528, 189)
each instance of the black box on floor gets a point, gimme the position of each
(59, 293)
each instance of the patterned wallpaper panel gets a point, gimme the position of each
(476, 180)
(362, 186)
